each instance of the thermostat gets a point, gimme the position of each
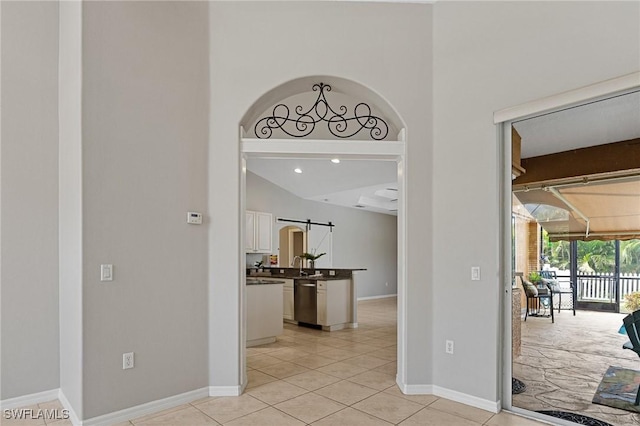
(194, 218)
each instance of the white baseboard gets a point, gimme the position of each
(31, 399)
(73, 416)
(146, 408)
(417, 389)
(383, 296)
(463, 398)
(122, 415)
(456, 396)
(258, 342)
(225, 390)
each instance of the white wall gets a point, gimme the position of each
(29, 191)
(144, 152)
(360, 239)
(489, 56)
(256, 46)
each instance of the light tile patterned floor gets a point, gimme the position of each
(341, 378)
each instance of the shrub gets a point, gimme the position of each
(535, 277)
(632, 301)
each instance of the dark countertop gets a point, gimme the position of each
(254, 281)
(294, 273)
(322, 278)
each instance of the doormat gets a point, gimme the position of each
(575, 418)
(618, 389)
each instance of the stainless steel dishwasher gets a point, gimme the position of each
(305, 304)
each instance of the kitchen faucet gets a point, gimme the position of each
(294, 264)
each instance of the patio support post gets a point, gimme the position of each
(573, 256)
(616, 276)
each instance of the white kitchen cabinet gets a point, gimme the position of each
(321, 301)
(258, 232)
(287, 296)
(287, 300)
(334, 303)
(264, 307)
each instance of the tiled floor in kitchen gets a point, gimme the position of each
(340, 378)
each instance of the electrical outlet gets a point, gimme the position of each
(127, 360)
(449, 347)
(332, 273)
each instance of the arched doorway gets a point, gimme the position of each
(298, 119)
(292, 244)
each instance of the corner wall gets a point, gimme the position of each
(70, 207)
(29, 191)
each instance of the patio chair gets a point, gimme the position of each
(538, 298)
(552, 281)
(632, 326)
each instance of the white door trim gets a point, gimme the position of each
(504, 119)
(574, 97)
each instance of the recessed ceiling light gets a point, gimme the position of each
(297, 170)
(335, 160)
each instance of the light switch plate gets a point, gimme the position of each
(106, 272)
(475, 273)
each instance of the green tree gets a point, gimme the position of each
(557, 252)
(630, 256)
(596, 256)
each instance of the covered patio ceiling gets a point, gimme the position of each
(580, 175)
(599, 210)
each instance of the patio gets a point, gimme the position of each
(563, 363)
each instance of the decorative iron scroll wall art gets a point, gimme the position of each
(338, 123)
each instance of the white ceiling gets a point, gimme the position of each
(611, 120)
(350, 183)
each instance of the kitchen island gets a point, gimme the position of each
(264, 311)
(324, 297)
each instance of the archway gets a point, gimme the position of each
(363, 126)
(292, 244)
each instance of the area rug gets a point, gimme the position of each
(575, 418)
(618, 389)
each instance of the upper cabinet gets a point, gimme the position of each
(259, 227)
